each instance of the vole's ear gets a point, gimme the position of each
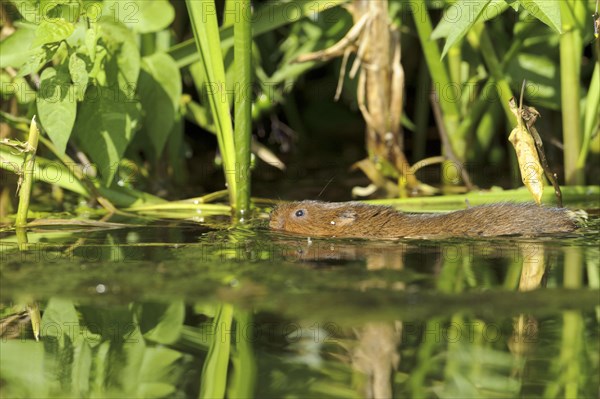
(346, 217)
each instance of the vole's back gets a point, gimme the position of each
(488, 220)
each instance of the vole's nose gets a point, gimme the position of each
(276, 223)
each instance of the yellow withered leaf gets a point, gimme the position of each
(529, 162)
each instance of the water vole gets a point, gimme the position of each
(354, 219)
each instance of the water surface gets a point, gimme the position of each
(181, 310)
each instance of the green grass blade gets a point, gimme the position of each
(267, 18)
(214, 373)
(203, 17)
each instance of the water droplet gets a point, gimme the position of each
(100, 288)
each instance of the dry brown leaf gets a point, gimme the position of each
(529, 162)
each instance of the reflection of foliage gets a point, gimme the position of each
(456, 300)
(140, 350)
(99, 352)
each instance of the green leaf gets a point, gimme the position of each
(213, 381)
(161, 322)
(60, 320)
(46, 6)
(104, 127)
(13, 47)
(67, 9)
(541, 73)
(29, 10)
(91, 38)
(17, 356)
(57, 106)
(124, 63)
(546, 11)
(142, 16)
(199, 115)
(40, 57)
(457, 20)
(267, 17)
(79, 75)
(51, 31)
(157, 379)
(159, 89)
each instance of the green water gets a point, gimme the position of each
(180, 311)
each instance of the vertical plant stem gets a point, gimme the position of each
(567, 365)
(570, 66)
(243, 381)
(203, 17)
(242, 36)
(591, 116)
(431, 51)
(28, 166)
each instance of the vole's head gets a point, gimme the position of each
(314, 218)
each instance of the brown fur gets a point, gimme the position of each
(354, 219)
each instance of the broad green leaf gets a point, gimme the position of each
(156, 375)
(37, 59)
(159, 88)
(77, 38)
(57, 106)
(109, 323)
(104, 127)
(60, 320)
(79, 75)
(142, 16)
(127, 360)
(457, 20)
(13, 47)
(29, 10)
(155, 390)
(542, 76)
(91, 38)
(48, 5)
(546, 11)
(51, 31)
(92, 10)
(70, 10)
(160, 322)
(124, 63)
(494, 9)
(82, 365)
(17, 356)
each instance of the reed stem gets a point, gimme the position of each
(27, 176)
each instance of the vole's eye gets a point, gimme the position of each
(299, 213)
